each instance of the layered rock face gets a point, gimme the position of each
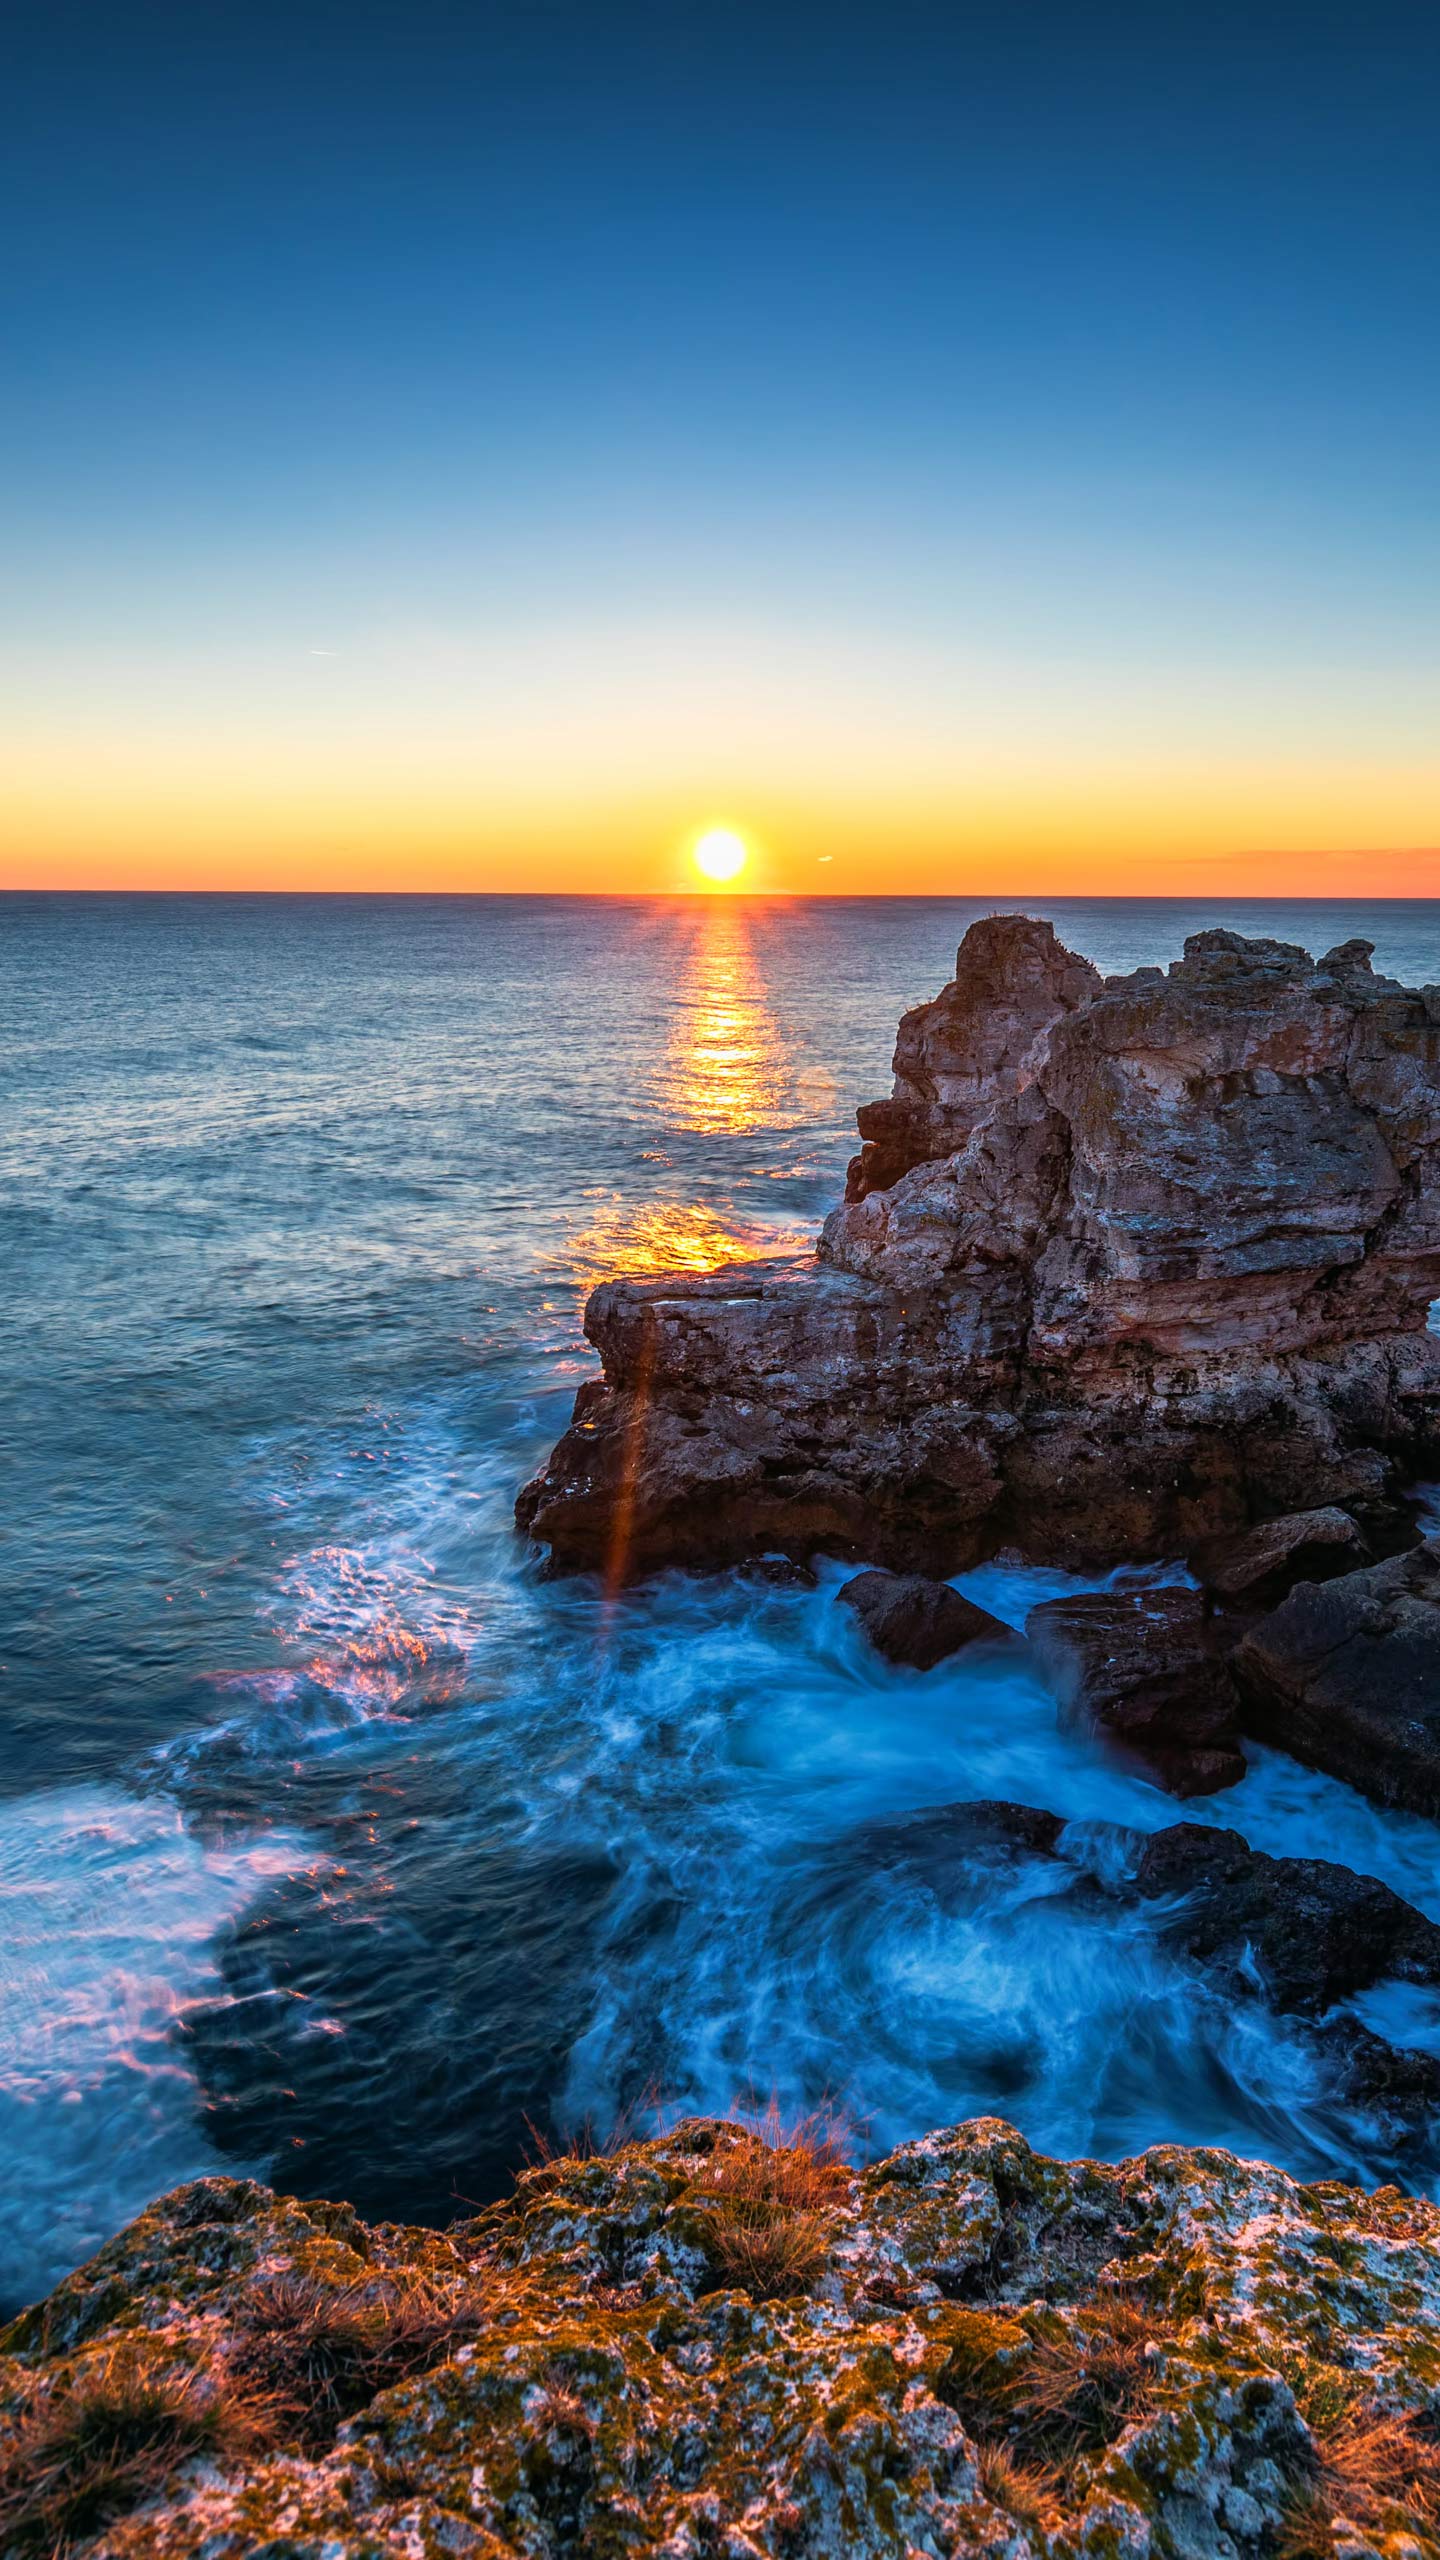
(709, 2344)
(1124, 1265)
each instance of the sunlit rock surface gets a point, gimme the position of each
(1125, 1265)
(980, 2351)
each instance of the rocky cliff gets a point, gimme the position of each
(1123, 1265)
(726, 2342)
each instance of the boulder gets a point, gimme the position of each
(1346, 1677)
(1256, 1567)
(1126, 1265)
(910, 1619)
(1314, 1932)
(1142, 1667)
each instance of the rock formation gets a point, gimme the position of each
(1145, 1668)
(1124, 1265)
(707, 2345)
(1345, 1675)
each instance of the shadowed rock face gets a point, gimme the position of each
(1124, 1265)
(1346, 1675)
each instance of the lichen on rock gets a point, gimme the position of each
(989, 2353)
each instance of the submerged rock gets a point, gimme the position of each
(1346, 1676)
(910, 1619)
(963, 2349)
(1125, 1266)
(1257, 1567)
(1144, 1667)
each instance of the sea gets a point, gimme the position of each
(340, 1847)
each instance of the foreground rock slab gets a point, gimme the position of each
(910, 1619)
(1144, 1667)
(1125, 1265)
(708, 2344)
(1346, 1676)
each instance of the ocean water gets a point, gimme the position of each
(336, 1844)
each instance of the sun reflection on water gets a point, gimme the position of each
(726, 1069)
(726, 1065)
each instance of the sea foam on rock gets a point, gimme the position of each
(987, 2352)
(1125, 1265)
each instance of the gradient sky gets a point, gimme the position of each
(963, 448)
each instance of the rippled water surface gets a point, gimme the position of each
(334, 1843)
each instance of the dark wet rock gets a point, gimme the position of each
(1143, 1668)
(1257, 1567)
(1305, 1936)
(910, 1619)
(1312, 1932)
(783, 1572)
(1345, 1676)
(1126, 1266)
(944, 1844)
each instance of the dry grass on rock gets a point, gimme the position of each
(99, 2445)
(1377, 2470)
(770, 2197)
(319, 2353)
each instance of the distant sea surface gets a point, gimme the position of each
(336, 1845)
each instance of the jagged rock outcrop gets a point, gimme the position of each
(705, 2344)
(1126, 1265)
(1345, 1676)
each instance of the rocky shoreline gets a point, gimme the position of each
(1130, 1271)
(1126, 1265)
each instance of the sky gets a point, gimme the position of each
(959, 448)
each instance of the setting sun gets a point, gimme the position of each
(720, 855)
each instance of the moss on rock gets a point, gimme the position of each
(974, 2351)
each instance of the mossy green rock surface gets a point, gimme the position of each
(608, 2388)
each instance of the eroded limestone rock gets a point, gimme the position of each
(1127, 1265)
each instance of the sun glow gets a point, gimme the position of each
(720, 856)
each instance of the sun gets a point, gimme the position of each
(720, 855)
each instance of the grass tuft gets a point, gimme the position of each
(1029, 2491)
(108, 2440)
(771, 2196)
(1080, 2386)
(320, 2353)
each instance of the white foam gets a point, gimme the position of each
(108, 1909)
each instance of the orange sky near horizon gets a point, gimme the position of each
(1328, 842)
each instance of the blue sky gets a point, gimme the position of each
(981, 405)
